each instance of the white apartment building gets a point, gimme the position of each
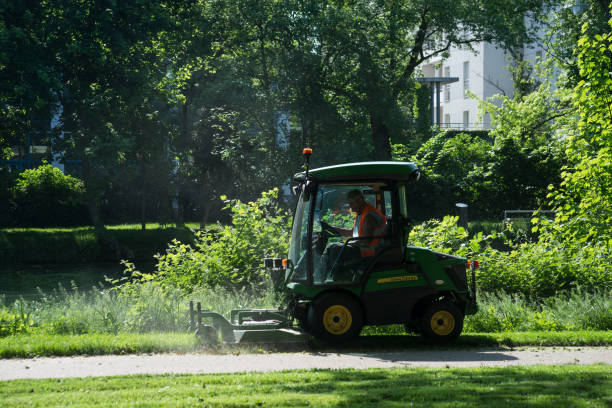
(483, 72)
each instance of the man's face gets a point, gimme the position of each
(355, 203)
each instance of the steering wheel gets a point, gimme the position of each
(328, 230)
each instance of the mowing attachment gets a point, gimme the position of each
(271, 326)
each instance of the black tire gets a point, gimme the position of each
(335, 318)
(442, 322)
(303, 324)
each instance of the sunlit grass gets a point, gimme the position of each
(152, 226)
(545, 386)
(149, 226)
(34, 345)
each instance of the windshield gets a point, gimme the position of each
(299, 238)
(347, 221)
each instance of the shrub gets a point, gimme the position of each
(534, 269)
(231, 256)
(15, 320)
(47, 197)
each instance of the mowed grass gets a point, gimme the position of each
(35, 345)
(542, 386)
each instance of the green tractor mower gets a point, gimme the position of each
(349, 265)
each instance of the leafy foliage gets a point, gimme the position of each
(14, 321)
(536, 270)
(510, 168)
(566, 25)
(447, 165)
(231, 256)
(584, 213)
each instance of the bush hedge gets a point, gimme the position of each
(45, 196)
(232, 255)
(535, 270)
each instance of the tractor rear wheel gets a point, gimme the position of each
(335, 318)
(442, 322)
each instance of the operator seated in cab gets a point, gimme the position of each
(369, 223)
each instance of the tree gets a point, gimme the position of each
(29, 80)
(509, 167)
(108, 54)
(564, 27)
(583, 201)
(371, 50)
(447, 161)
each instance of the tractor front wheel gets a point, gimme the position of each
(335, 318)
(442, 322)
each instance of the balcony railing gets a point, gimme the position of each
(463, 126)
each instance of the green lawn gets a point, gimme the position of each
(538, 386)
(33, 345)
(124, 343)
(149, 226)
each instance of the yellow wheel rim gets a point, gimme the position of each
(337, 319)
(442, 323)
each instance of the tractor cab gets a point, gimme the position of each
(319, 254)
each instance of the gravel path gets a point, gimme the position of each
(203, 363)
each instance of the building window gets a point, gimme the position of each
(447, 86)
(466, 78)
(466, 119)
(447, 121)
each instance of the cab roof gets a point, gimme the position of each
(375, 170)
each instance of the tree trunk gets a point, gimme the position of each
(143, 194)
(304, 134)
(94, 212)
(380, 138)
(143, 211)
(109, 246)
(185, 134)
(206, 204)
(93, 207)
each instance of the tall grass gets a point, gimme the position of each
(140, 308)
(573, 310)
(148, 307)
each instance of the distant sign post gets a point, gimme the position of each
(463, 214)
